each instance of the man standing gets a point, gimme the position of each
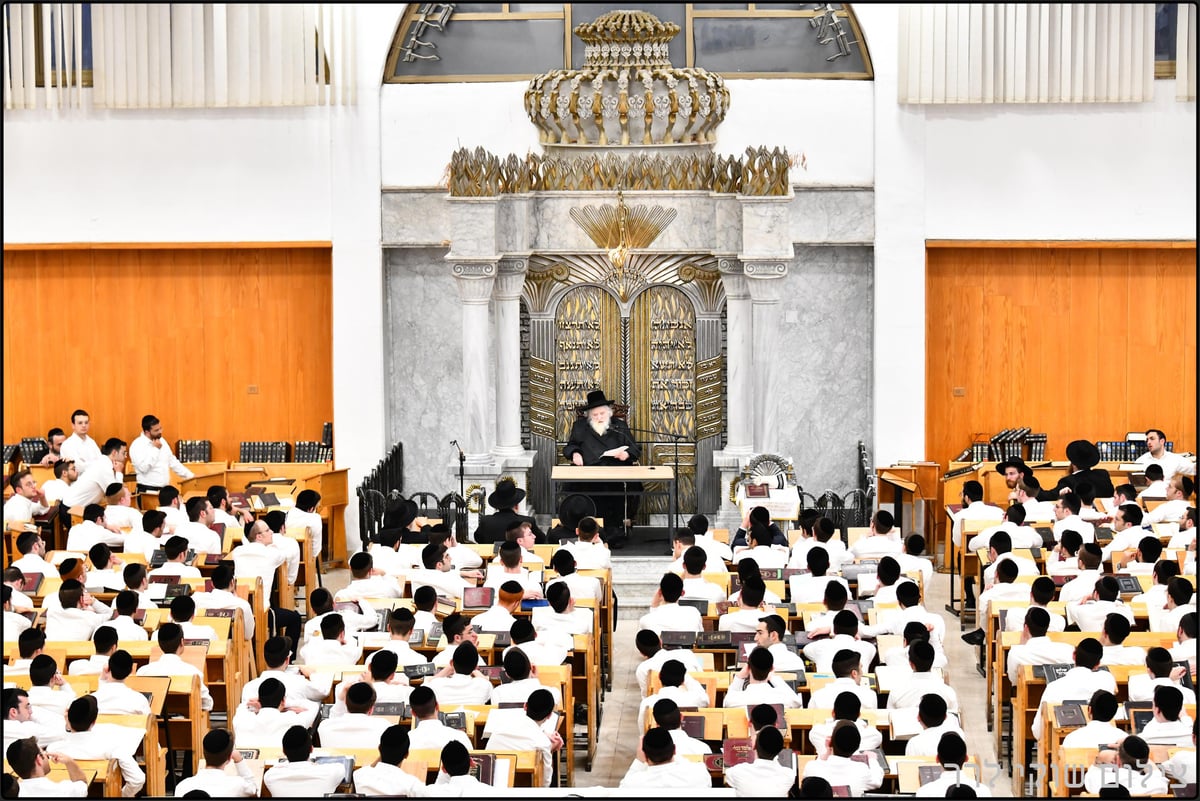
(1157, 453)
(604, 440)
(79, 447)
(506, 500)
(152, 458)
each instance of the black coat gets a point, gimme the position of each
(1098, 478)
(585, 441)
(492, 527)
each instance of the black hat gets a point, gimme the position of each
(1017, 463)
(596, 398)
(401, 514)
(1083, 454)
(573, 509)
(507, 495)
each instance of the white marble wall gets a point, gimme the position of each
(825, 364)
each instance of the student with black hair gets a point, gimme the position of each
(92, 529)
(212, 778)
(1078, 682)
(223, 596)
(765, 777)
(111, 694)
(845, 633)
(355, 725)
(1180, 489)
(973, 508)
(385, 776)
(296, 776)
(14, 624)
(170, 640)
(262, 721)
(1169, 725)
(1161, 672)
(1078, 589)
(1035, 647)
(756, 683)
(454, 777)
(649, 645)
(83, 742)
(656, 766)
(1041, 593)
(666, 614)
(1181, 600)
(104, 640)
(848, 669)
(522, 682)
(21, 720)
(695, 563)
(847, 706)
(667, 715)
(838, 767)
(825, 535)
(1099, 731)
(935, 720)
(305, 687)
(1066, 518)
(814, 787)
(30, 760)
(460, 682)
(1185, 639)
(428, 731)
(952, 756)
(883, 539)
(1129, 767)
(535, 730)
(921, 681)
(1113, 633)
(677, 685)
(335, 646)
(48, 691)
(897, 655)
(809, 588)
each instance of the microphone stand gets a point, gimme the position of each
(462, 484)
(675, 438)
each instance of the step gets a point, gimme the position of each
(635, 580)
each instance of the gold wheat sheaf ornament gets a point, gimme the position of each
(642, 224)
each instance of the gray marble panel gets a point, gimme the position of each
(416, 217)
(423, 358)
(825, 364)
(833, 216)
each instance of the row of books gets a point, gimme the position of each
(1072, 714)
(1124, 450)
(193, 450)
(1011, 443)
(260, 452)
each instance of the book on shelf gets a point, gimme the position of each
(678, 639)
(693, 726)
(700, 604)
(420, 670)
(455, 720)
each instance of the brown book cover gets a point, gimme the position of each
(693, 726)
(736, 750)
(33, 582)
(483, 767)
(1069, 714)
(780, 721)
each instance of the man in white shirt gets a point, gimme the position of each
(298, 777)
(762, 549)
(1179, 490)
(79, 447)
(1129, 767)
(882, 540)
(848, 671)
(107, 567)
(255, 556)
(112, 696)
(1181, 600)
(1035, 647)
(49, 693)
(334, 647)
(75, 619)
(393, 556)
(1161, 672)
(93, 481)
(152, 458)
(1157, 453)
(510, 566)
(667, 715)
(846, 706)
(654, 656)
(564, 565)
(27, 501)
(560, 620)
(1079, 682)
(695, 561)
(176, 550)
(657, 767)
(666, 614)
(171, 505)
(438, 572)
(908, 596)
(222, 597)
(718, 552)
(1041, 593)
(935, 719)
(299, 682)
(1036, 511)
(532, 731)
(845, 636)
(839, 769)
(1099, 731)
(1084, 583)
(262, 721)
(1000, 549)
(765, 776)
(1113, 633)
(212, 778)
(183, 609)
(677, 685)
(1127, 530)
(1169, 725)
(196, 531)
(170, 640)
(428, 731)
(922, 681)
(824, 531)
(1006, 588)
(588, 549)
(30, 760)
(14, 624)
(400, 627)
(952, 756)
(1185, 647)
(756, 683)
(973, 508)
(385, 776)
(460, 682)
(83, 742)
(522, 682)
(1022, 536)
(32, 548)
(769, 634)
(234, 520)
(366, 581)
(454, 778)
(147, 538)
(92, 530)
(126, 606)
(1090, 614)
(119, 512)
(65, 474)
(750, 608)
(305, 515)
(810, 588)
(357, 724)
(104, 640)
(1066, 518)
(1157, 488)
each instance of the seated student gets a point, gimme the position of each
(385, 776)
(761, 517)
(667, 715)
(32, 548)
(76, 615)
(454, 777)
(26, 501)
(334, 647)
(561, 621)
(1088, 510)
(666, 614)
(897, 656)
(466, 559)
(1041, 593)
(257, 556)
(676, 685)
(1114, 630)
(176, 551)
(847, 706)
(92, 529)
(952, 756)
(846, 632)
(73, 569)
(289, 547)
(356, 725)
(106, 568)
(1129, 767)
(1035, 647)
(810, 588)
(1099, 730)
(1066, 518)
(301, 689)
(428, 731)
(835, 599)
(1084, 583)
(171, 505)
(1169, 726)
(823, 530)
(908, 596)
(438, 572)
(1105, 599)
(147, 538)
(1156, 596)
(196, 531)
(111, 694)
(750, 608)
(747, 570)
(30, 644)
(1182, 766)
(1078, 682)
(1161, 672)
(1179, 489)
(587, 549)
(847, 670)
(682, 540)
(14, 624)
(769, 634)
(320, 604)
(882, 540)
(83, 742)
(304, 515)
(296, 776)
(212, 778)
(458, 630)
(224, 512)
(519, 532)
(1127, 530)
(511, 567)
(1181, 600)
(1063, 558)
(119, 511)
(222, 596)
(649, 645)
(1006, 588)
(20, 721)
(400, 628)
(30, 760)
(756, 683)
(764, 777)
(393, 556)
(1149, 551)
(170, 640)
(502, 614)
(922, 681)
(262, 721)
(523, 681)
(1185, 538)
(973, 508)
(1185, 645)
(533, 731)
(657, 766)
(695, 562)
(762, 549)
(460, 682)
(14, 579)
(389, 686)
(367, 581)
(887, 577)
(104, 640)
(1000, 550)
(839, 769)
(911, 560)
(581, 586)
(1020, 535)
(183, 609)
(718, 552)
(935, 720)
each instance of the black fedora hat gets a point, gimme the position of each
(507, 495)
(573, 509)
(1083, 454)
(401, 514)
(1017, 463)
(596, 398)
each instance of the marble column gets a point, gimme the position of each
(510, 278)
(739, 354)
(764, 281)
(474, 281)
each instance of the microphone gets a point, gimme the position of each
(454, 442)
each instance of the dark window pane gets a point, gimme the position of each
(489, 47)
(1166, 19)
(477, 8)
(719, 6)
(730, 46)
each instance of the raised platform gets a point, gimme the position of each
(637, 569)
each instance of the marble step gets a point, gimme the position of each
(635, 580)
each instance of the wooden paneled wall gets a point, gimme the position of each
(1077, 342)
(226, 343)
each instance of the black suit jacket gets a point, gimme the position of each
(1098, 478)
(492, 527)
(590, 445)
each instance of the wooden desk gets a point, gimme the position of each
(1073, 764)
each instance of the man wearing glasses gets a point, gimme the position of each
(32, 764)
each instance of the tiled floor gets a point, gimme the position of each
(618, 735)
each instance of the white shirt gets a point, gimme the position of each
(522, 733)
(539, 652)
(762, 777)
(92, 666)
(690, 693)
(844, 771)
(1074, 523)
(114, 698)
(1094, 734)
(19, 509)
(307, 520)
(771, 691)
(825, 697)
(767, 556)
(446, 582)
(785, 660)
(576, 621)
(330, 652)
(1038, 651)
(53, 702)
(265, 728)
(253, 559)
(679, 773)
(977, 510)
(1011, 591)
(587, 586)
(938, 787)
(690, 661)
(809, 589)
(1077, 683)
(1080, 587)
(834, 547)
(1170, 511)
(405, 655)
(1123, 655)
(45, 787)
(352, 730)
(1142, 686)
(123, 517)
(589, 555)
(1124, 540)
(100, 743)
(49, 732)
(909, 563)
(143, 542)
(298, 690)
(876, 546)
(153, 465)
(1015, 619)
(85, 534)
(820, 734)
(128, 628)
(90, 486)
(54, 489)
(739, 620)
(466, 786)
(14, 624)
(369, 587)
(530, 585)
(200, 537)
(1171, 463)
(1025, 567)
(224, 599)
(303, 779)
(434, 734)
(460, 688)
(384, 779)
(519, 691)
(173, 665)
(80, 450)
(219, 784)
(1090, 615)
(175, 569)
(698, 587)
(918, 685)
(926, 743)
(688, 745)
(1169, 732)
(72, 624)
(672, 617)
(822, 652)
(1138, 783)
(354, 621)
(173, 517)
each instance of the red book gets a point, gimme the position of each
(736, 750)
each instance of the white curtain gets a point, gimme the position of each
(1027, 53)
(181, 55)
(1185, 54)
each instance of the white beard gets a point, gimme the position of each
(600, 428)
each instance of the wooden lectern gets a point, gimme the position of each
(905, 483)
